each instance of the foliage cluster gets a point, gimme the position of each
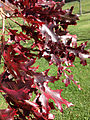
(45, 27)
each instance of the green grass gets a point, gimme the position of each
(80, 99)
(82, 29)
(84, 3)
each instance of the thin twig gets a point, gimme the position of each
(8, 6)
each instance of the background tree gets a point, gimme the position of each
(80, 7)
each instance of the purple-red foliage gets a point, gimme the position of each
(46, 24)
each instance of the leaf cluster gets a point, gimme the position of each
(45, 24)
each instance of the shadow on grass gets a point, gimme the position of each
(86, 12)
(82, 39)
